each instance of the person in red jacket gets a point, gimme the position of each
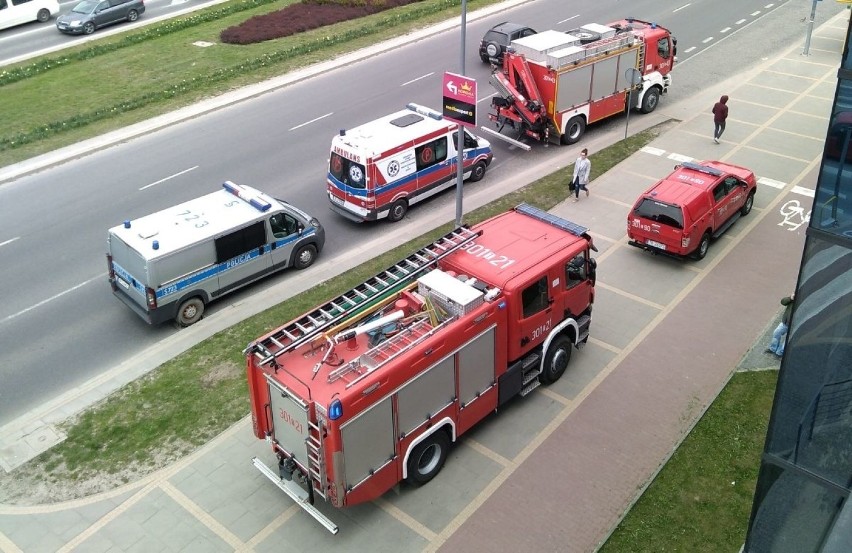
(720, 114)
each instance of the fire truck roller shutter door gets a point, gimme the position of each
(368, 442)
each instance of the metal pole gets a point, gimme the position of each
(810, 28)
(460, 145)
(629, 106)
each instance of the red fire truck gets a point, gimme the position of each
(371, 388)
(554, 84)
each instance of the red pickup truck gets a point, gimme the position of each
(680, 214)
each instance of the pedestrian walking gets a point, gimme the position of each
(582, 170)
(776, 346)
(720, 114)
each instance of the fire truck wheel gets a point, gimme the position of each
(703, 246)
(478, 172)
(651, 99)
(190, 312)
(746, 208)
(428, 457)
(397, 211)
(556, 360)
(305, 257)
(573, 130)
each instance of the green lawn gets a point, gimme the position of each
(701, 499)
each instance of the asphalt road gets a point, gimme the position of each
(59, 324)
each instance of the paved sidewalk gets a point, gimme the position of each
(554, 471)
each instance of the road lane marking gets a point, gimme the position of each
(682, 7)
(740, 22)
(569, 19)
(770, 182)
(9, 241)
(312, 121)
(706, 40)
(202, 516)
(688, 50)
(725, 30)
(155, 183)
(418, 78)
(755, 14)
(57, 296)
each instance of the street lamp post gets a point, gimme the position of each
(460, 144)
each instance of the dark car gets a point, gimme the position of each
(496, 40)
(89, 15)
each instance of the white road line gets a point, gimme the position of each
(803, 191)
(688, 50)
(679, 157)
(569, 19)
(725, 30)
(680, 8)
(770, 182)
(768, 6)
(9, 241)
(59, 295)
(418, 78)
(653, 151)
(312, 121)
(740, 22)
(706, 40)
(169, 177)
(753, 14)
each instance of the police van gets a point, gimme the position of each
(379, 169)
(170, 264)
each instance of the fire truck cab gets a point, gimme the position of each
(371, 388)
(378, 169)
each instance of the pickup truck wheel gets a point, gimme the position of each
(556, 360)
(397, 211)
(749, 203)
(190, 312)
(305, 257)
(651, 99)
(428, 457)
(477, 172)
(573, 130)
(703, 246)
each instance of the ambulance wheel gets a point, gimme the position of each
(428, 457)
(574, 130)
(190, 312)
(651, 99)
(703, 246)
(556, 360)
(746, 208)
(305, 257)
(478, 172)
(397, 211)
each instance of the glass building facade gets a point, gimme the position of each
(801, 502)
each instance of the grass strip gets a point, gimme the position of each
(701, 500)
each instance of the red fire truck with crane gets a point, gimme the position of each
(370, 389)
(553, 84)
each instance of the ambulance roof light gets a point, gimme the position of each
(247, 196)
(342, 132)
(423, 110)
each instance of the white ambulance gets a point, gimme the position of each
(170, 264)
(379, 169)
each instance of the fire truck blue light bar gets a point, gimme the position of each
(546, 217)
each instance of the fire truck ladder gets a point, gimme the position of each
(375, 289)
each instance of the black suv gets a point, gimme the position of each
(495, 41)
(89, 15)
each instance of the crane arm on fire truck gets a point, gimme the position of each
(362, 297)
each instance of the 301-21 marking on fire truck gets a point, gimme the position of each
(493, 258)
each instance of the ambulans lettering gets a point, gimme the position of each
(288, 418)
(348, 155)
(493, 258)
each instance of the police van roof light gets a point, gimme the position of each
(127, 223)
(247, 196)
(155, 244)
(342, 132)
(423, 110)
